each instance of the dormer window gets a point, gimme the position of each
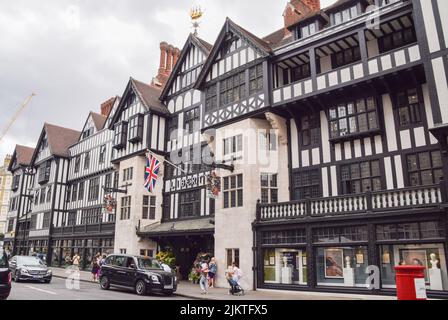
(306, 31)
(87, 133)
(120, 134)
(44, 144)
(136, 128)
(44, 172)
(15, 183)
(344, 15)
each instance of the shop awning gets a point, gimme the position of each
(179, 228)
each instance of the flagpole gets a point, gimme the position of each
(169, 162)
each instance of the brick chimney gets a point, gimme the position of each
(296, 9)
(107, 106)
(168, 58)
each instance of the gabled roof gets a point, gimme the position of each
(59, 140)
(99, 120)
(203, 45)
(22, 156)
(262, 46)
(148, 95)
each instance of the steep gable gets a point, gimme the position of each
(234, 47)
(185, 72)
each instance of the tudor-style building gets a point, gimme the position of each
(18, 219)
(86, 227)
(365, 171)
(139, 125)
(50, 163)
(187, 224)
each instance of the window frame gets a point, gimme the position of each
(190, 204)
(191, 117)
(360, 178)
(419, 170)
(233, 196)
(125, 208)
(355, 114)
(149, 207)
(120, 135)
(414, 110)
(314, 186)
(136, 124)
(271, 188)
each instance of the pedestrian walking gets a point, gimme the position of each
(95, 267)
(213, 269)
(203, 281)
(76, 260)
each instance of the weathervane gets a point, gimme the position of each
(196, 13)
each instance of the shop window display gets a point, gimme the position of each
(430, 256)
(285, 266)
(342, 266)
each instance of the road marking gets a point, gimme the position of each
(41, 290)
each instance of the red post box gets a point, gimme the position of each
(410, 282)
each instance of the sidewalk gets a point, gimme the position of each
(192, 291)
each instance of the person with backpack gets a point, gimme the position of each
(213, 267)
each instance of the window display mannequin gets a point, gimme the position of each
(349, 273)
(286, 271)
(435, 275)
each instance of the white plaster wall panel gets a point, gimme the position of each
(228, 63)
(386, 62)
(378, 145)
(286, 93)
(419, 137)
(443, 11)
(277, 96)
(221, 69)
(326, 152)
(297, 89)
(414, 53)
(305, 158)
(390, 123)
(315, 153)
(345, 75)
(294, 145)
(388, 172)
(250, 54)
(442, 87)
(214, 70)
(405, 137)
(400, 58)
(321, 83)
(373, 66)
(243, 57)
(347, 150)
(338, 151)
(235, 60)
(187, 100)
(428, 111)
(399, 171)
(308, 86)
(333, 78)
(155, 127)
(179, 103)
(358, 71)
(367, 147)
(334, 181)
(430, 25)
(357, 147)
(325, 187)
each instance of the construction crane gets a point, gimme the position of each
(16, 115)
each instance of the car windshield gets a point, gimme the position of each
(148, 264)
(29, 261)
(3, 258)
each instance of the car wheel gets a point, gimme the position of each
(140, 287)
(16, 276)
(104, 283)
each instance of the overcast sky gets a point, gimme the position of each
(75, 54)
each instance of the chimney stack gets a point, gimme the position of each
(296, 9)
(168, 59)
(107, 106)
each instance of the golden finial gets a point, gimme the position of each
(195, 14)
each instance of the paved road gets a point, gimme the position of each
(56, 290)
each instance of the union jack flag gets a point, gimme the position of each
(151, 172)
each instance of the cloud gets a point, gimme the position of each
(75, 54)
